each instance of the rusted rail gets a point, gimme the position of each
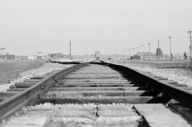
(160, 85)
(101, 86)
(15, 102)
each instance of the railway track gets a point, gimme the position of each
(99, 95)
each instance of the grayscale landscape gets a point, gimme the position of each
(95, 63)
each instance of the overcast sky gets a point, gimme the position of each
(108, 26)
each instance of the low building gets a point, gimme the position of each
(7, 57)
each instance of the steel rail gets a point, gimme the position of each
(180, 94)
(12, 104)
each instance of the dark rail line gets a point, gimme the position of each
(97, 83)
(160, 85)
(10, 105)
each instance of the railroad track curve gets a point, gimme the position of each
(96, 94)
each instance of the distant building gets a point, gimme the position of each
(7, 57)
(32, 57)
(97, 55)
(56, 55)
(135, 57)
(22, 58)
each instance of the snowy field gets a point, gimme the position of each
(180, 75)
(42, 70)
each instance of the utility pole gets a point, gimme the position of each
(143, 51)
(158, 50)
(149, 44)
(158, 43)
(190, 46)
(133, 51)
(70, 50)
(171, 56)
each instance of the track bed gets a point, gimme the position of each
(96, 96)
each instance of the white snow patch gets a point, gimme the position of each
(181, 76)
(44, 69)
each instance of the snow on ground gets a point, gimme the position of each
(180, 75)
(44, 69)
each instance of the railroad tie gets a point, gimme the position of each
(95, 96)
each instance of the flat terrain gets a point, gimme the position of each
(95, 96)
(11, 70)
